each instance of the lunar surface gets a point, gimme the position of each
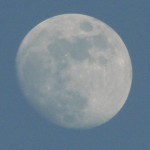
(75, 70)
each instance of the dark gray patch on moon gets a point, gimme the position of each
(100, 41)
(106, 49)
(86, 26)
(68, 105)
(59, 48)
(78, 49)
(59, 81)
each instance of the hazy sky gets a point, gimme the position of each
(22, 128)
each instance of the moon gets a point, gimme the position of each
(75, 70)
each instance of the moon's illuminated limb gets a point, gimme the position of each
(75, 70)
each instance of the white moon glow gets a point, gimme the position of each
(75, 70)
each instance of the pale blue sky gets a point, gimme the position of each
(22, 128)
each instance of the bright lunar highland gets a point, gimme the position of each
(75, 70)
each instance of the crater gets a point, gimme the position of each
(79, 50)
(101, 41)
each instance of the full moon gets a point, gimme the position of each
(75, 70)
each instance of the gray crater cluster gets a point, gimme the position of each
(80, 47)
